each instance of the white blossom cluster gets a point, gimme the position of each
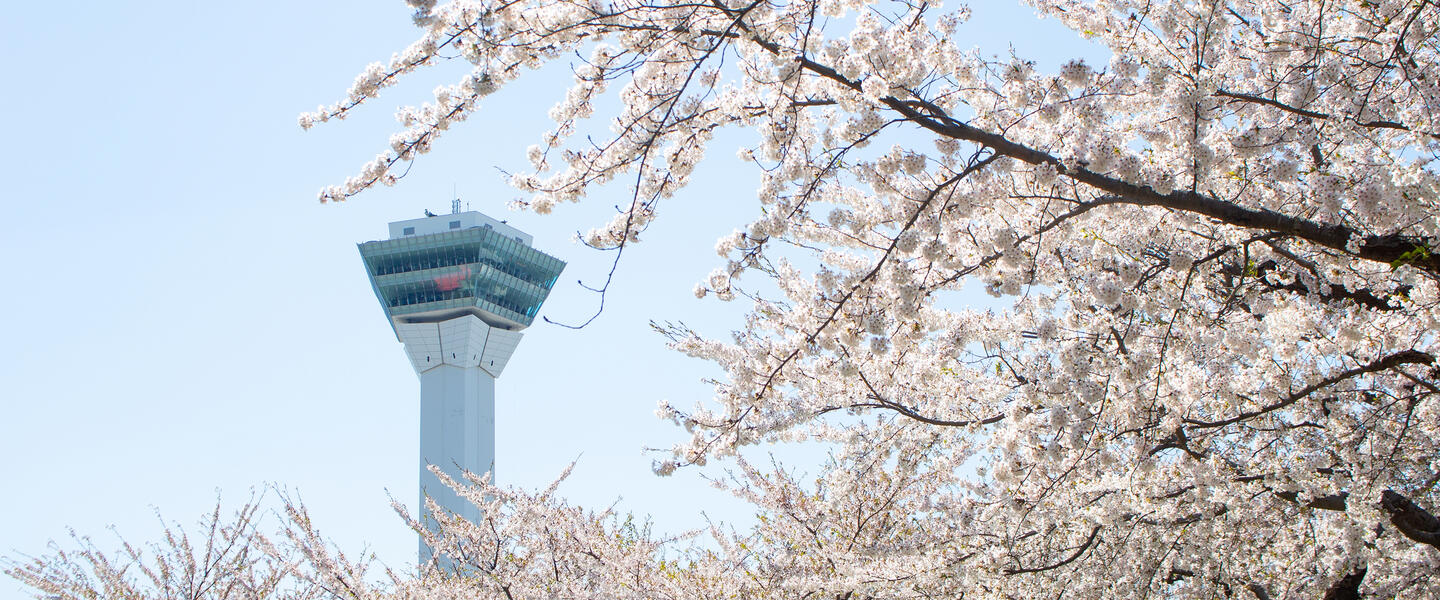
(1214, 252)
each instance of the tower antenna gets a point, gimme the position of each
(455, 204)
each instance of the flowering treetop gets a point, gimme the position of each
(1216, 368)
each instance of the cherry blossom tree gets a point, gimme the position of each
(1214, 372)
(231, 558)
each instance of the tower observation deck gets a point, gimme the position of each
(458, 291)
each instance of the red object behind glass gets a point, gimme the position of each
(451, 281)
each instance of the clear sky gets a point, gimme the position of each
(180, 319)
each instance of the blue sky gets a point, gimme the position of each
(179, 318)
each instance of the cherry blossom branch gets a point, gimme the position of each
(881, 402)
(975, 165)
(1312, 114)
(1404, 357)
(1078, 551)
(1391, 249)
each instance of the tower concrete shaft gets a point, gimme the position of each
(457, 361)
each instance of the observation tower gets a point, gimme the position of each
(458, 290)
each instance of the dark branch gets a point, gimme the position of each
(1413, 522)
(1347, 587)
(1325, 292)
(1334, 502)
(1392, 249)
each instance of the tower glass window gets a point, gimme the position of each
(476, 270)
